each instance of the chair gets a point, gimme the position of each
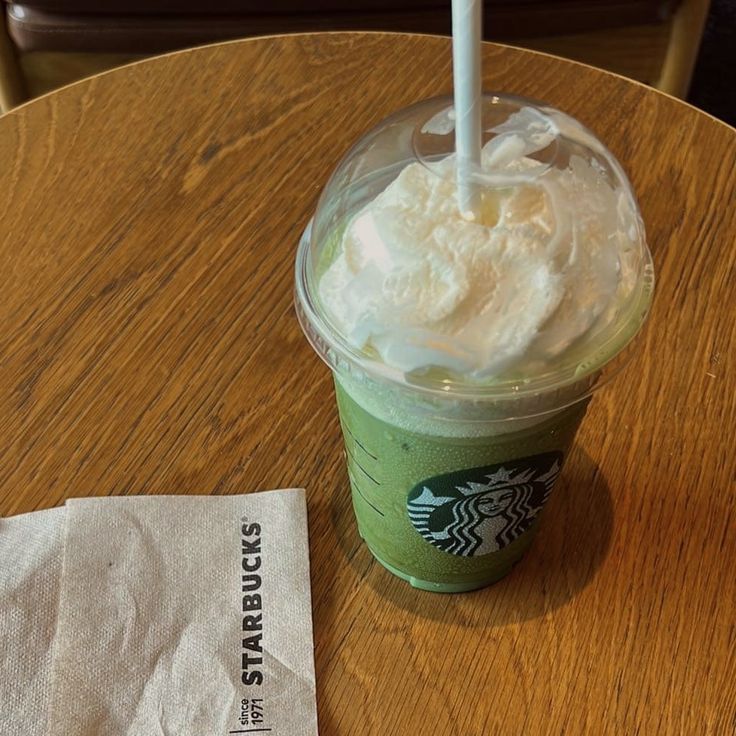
(47, 43)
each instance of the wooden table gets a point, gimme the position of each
(149, 345)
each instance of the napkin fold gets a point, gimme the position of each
(179, 615)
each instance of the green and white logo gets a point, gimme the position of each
(481, 510)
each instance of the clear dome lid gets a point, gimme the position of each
(542, 286)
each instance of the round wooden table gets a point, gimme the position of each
(149, 345)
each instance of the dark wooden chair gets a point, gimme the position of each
(47, 43)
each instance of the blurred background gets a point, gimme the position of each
(686, 48)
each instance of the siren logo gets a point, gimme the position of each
(480, 510)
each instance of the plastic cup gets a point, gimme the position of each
(449, 477)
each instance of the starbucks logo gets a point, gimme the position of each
(473, 512)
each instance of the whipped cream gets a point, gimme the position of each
(543, 264)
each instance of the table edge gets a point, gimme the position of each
(254, 39)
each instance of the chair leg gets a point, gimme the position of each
(12, 85)
(682, 49)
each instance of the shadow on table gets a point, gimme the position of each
(572, 542)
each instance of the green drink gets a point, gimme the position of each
(458, 530)
(465, 354)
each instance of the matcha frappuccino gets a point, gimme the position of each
(465, 346)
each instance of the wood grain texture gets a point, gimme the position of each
(149, 222)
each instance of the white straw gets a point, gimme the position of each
(466, 35)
